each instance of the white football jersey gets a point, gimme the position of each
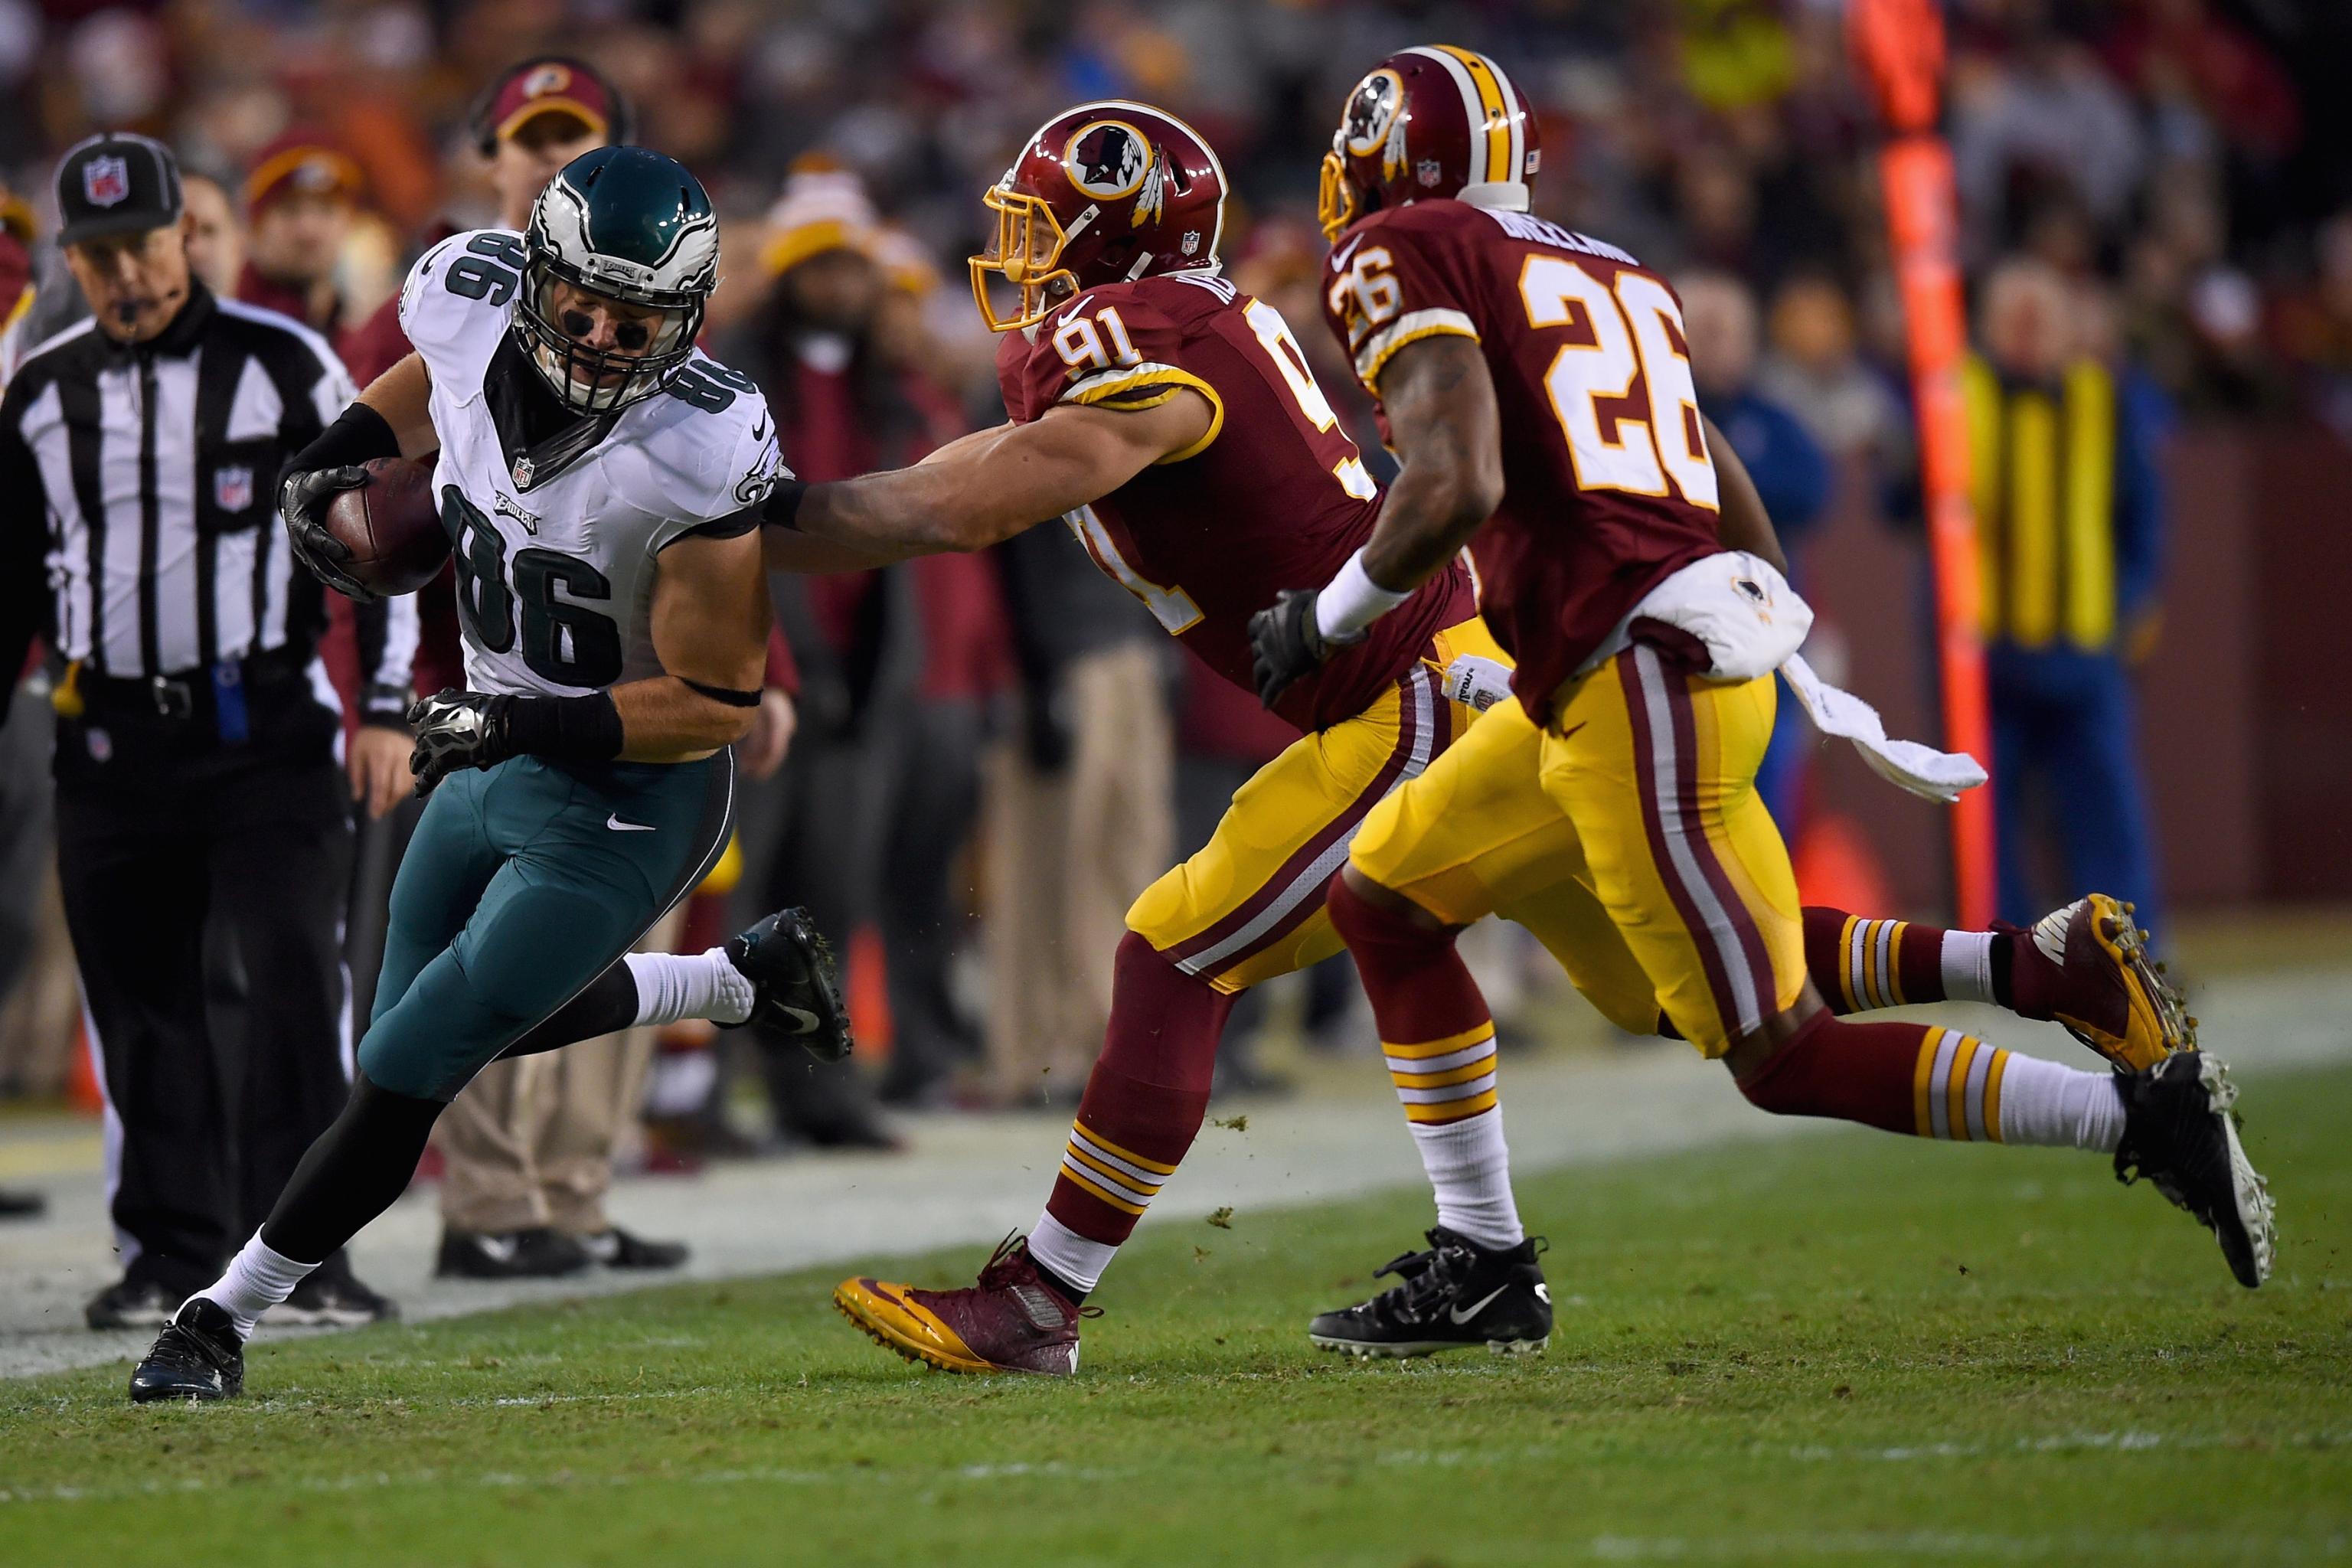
(555, 569)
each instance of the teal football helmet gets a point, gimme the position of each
(635, 226)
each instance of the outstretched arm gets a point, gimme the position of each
(1440, 400)
(988, 486)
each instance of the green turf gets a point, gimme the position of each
(1848, 1348)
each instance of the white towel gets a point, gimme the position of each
(1922, 770)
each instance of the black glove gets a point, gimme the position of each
(304, 494)
(457, 729)
(1285, 644)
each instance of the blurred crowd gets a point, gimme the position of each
(971, 764)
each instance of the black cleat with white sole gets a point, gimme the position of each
(1454, 1296)
(797, 992)
(2180, 1134)
(198, 1356)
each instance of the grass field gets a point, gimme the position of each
(1850, 1348)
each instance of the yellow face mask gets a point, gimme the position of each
(1335, 199)
(1028, 244)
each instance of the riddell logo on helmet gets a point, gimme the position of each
(1108, 159)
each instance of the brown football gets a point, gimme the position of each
(392, 526)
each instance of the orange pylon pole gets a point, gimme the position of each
(1898, 47)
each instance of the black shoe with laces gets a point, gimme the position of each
(1456, 1295)
(794, 989)
(2180, 1134)
(334, 1296)
(198, 1356)
(131, 1304)
(618, 1249)
(537, 1253)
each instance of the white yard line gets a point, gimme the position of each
(968, 1180)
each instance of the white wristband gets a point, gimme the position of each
(1351, 602)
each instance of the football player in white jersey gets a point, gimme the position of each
(601, 481)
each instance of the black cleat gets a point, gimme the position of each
(334, 1296)
(198, 1356)
(618, 1249)
(537, 1253)
(2179, 1133)
(1456, 1295)
(790, 970)
(131, 1304)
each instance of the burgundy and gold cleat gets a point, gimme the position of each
(1011, 1320)
(2087, 967)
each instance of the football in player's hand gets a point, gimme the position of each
(392, 526)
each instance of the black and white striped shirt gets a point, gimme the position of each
(147, 474)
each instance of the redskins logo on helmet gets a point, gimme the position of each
(1109, 158)
(1102, 193)
(1429, 121)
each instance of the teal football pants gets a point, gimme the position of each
(522, 883)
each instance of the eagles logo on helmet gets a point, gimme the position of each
(1472, 135)
(1058, 219)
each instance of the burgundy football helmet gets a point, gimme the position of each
(1429, 122)
(1103, 193)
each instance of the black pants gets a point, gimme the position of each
(168, 838)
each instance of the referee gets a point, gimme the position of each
(200, 810)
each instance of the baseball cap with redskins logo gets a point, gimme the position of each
(545, 86)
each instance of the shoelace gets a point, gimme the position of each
(1002, 1271)
(1428, 1279)
(185, 1347)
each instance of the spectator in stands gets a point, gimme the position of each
(897, 666)
(297, 202)
(2070, 510)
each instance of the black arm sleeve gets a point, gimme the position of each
(358, 436)
(25, 601)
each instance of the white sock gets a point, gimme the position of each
(2042, 1102)
(1967, 966)
(671, 986)
(1470, 1169)
(258, 1278)
(1069, 1254)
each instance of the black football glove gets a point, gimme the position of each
(300, 499)
(1285, 645)
(457, 730)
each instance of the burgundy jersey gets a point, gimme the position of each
(1607, 483)
(1275, 496)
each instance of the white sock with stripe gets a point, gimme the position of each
(1469, 1168)
(2047, 1103)
(1069, 1254)
(674, 986)
(258, 1278)
(1967, 966)
(1448, 1090)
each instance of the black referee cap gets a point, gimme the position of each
(117, 183)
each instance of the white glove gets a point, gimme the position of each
(1477, 683)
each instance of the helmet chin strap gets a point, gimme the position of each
(1510, 195)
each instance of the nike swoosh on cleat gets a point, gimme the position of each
(807, 1020)
(617, 826)
(1461, 1317)
(498, 1248)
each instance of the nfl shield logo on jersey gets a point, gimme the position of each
(233, 488)
(1429, 171)
(105, 181)
(523, 469)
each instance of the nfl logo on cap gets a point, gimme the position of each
(105, 181)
